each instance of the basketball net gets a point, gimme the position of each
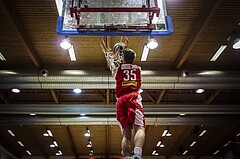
(113, 58)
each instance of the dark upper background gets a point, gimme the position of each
(29, 43)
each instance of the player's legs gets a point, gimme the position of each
(139, 137)
(139, 140)
(126, 141)
(139, 127)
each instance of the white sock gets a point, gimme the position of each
(126, 157)
(138, 151)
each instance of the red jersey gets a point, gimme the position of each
(128, 79)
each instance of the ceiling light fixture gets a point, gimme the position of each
(160, 144)
(203, 132)
(55, 143)
(185, 152)
(182, 114)
(48, 133)
(91, 152)
(77, 90)
(20, 143)
(193, 143)
(89, 144)
(200, 90)
(218, 53)
(238, 134)
(72, 54)
(166, 133)
(236, 45)
(59, 152)
(16, 90)
(2, 57)
(145, 53)
(216, 152)
(227, 143)
(155, 153)
(87, 133)
(65, 44)
(10, 132)
(152, 43)
(28, 152)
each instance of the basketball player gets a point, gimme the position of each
(129, 109)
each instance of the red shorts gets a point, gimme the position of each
(129, 110)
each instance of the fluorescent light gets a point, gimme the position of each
(216, 152)
(71, 53)
(20, 143)
(2, 57)
(193, 143)
(45, 134)
(182, 114)
(168, 134)
(227, 143)
(154, 152)
(200, 90)
(52, 145)
(10, 132)
(159, 143)
(16, 90)
(236, 45)
(59, 152)
(77, 90)
(164, 132)
(89, 144)
(219, 52)
(55, 143)
(87, 133)
(238, 134)
(203, 132)
(48, 133)
(59, 4)
(184, 153)
(162, 145)
(29, 153)
(145, 53)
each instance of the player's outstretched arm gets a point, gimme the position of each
(109, 55)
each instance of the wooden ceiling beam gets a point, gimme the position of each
(160, 96)
(107, 100)
(55, 96)
(197, 29)
(4, 98)
(150, 97)
(184, 135)
(73, 146)
(213, 96)
(7, 6)
(34, 140)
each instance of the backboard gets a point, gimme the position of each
(114, 18)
